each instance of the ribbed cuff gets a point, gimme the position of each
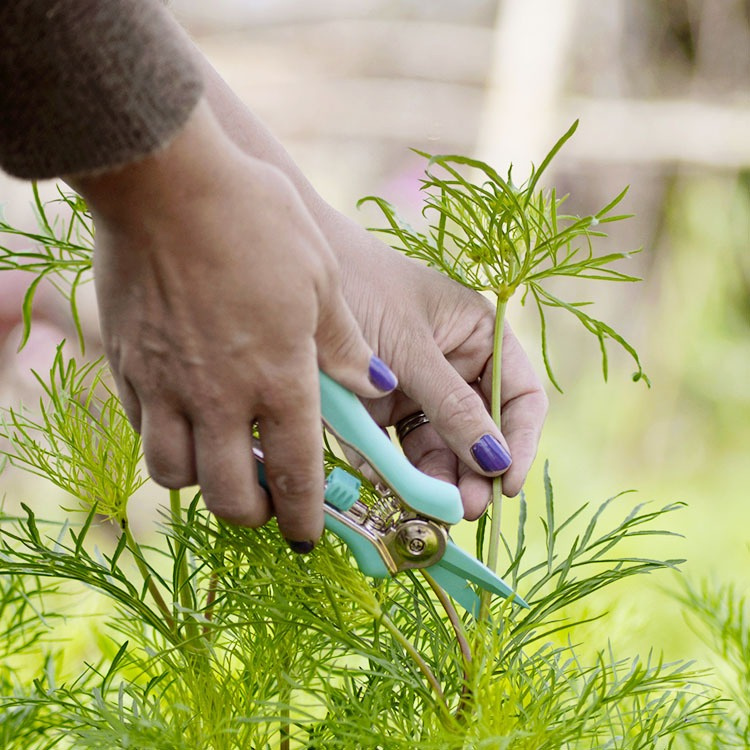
(86, 86)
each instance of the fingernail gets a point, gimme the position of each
(381, 375)
(301, 548)
(490, 454)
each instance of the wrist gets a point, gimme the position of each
(164, 182)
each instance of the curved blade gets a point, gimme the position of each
(463, 569)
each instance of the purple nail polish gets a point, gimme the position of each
(301, 548)
(490, 454)
(381, 376)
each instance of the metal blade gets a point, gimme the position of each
(467, 568)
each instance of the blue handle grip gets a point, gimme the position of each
(348, 419)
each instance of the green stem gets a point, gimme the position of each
(455, 621)
(208, 610)
(461, 639)
(285, 739)
(424, 668)
(285, 695)
(184, 591)
(135, 550)
(497, 482)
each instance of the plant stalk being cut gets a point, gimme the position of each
(499, 238)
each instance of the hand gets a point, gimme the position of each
(219, 300)
(438, 338)
(435, 334)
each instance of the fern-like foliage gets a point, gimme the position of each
(78, 438)
(494, 236)
(218, 637)
(281, 646)
(61, 253)
(720, 614)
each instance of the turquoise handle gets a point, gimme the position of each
(348, 419)
(364, 551)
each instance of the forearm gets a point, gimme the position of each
(254, 138)
(360, 253)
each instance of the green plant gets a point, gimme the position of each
(494, 236)
(720, 615)
(219, 637)
(61, 254)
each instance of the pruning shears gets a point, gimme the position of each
(409, 526)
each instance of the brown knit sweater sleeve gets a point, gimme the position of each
(86, 85)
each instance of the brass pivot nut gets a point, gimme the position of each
(417, 539)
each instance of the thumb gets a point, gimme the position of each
(344, 354)
(459, 414)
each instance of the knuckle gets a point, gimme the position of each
(484, 329)
(278, 398)
(525, 436)
(277, 185)
(342, 344)
(436, 462)
(529, 409)
(459, 408)
(301, 486)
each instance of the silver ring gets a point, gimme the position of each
(410, 423)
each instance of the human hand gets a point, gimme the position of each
(438, 338)
(219, 299)
(435, 334)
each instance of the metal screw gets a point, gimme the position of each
(417, 539)
(416, 546)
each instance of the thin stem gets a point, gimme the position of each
(135, 550)
(461, 639)
(497, 482)
(454, 619)
(184, 591)
(285, 699)
(210, 599)
(285, 739)
(417, 657)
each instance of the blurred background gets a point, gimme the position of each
(662, 91)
